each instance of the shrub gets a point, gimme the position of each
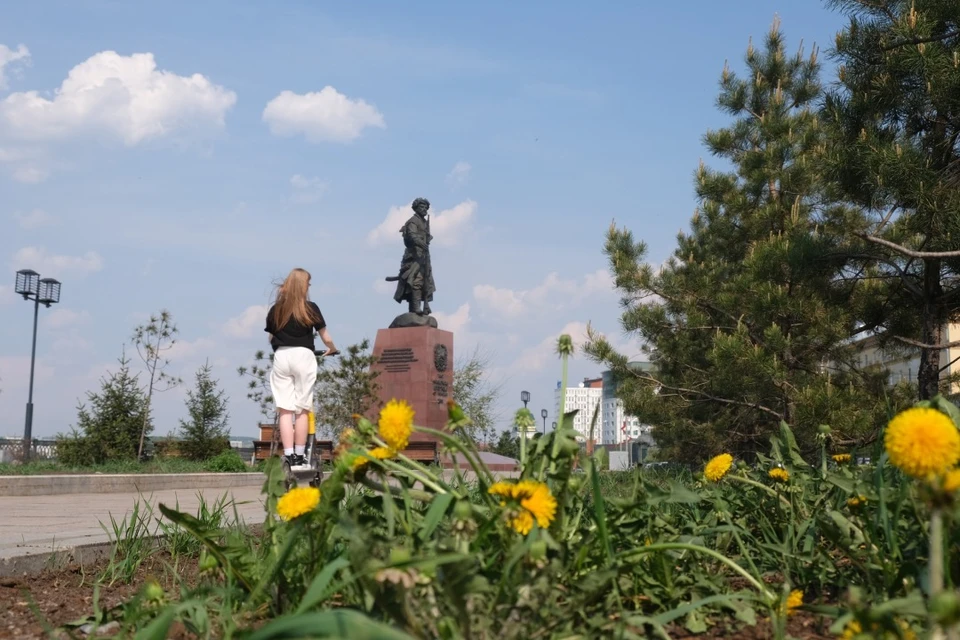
(228, 461)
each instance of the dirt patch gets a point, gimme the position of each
(800, 625)
(28, 604)
(66, 596)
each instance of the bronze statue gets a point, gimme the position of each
(415, 281)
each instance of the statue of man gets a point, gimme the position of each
(415, 282)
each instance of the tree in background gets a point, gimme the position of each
(477, 395)
(114, 425)
(258, 387)
(152, 341)
(508, 444)
(205, 434)
(347, 389)
(746, 323)
(895, 151)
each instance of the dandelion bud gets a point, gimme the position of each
(463, 510)
(399, 555)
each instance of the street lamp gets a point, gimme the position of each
(524, 398)
(553, 425)
(543, 414)
(43, 291)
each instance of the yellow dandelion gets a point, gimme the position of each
(951, 481)
(856, 501)
(536, 498)
(522, 522)
(842, 458)
(378, 453)
(854, 629)
(531, 501)
(297, 502)
(794, 600)
(502, 489)
(922, 442)
(718, 467)
(396, 424)
(779, 474)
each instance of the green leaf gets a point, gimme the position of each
(695, 622)
(599, 511)
(342, 624)
(318, 590)
(435, 514)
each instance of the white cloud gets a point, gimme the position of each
(321, 116)
(8, 56)
(307, 190)
(447, 227)
(537, 357)
(124, 96)
(24, 164)
(554, 293)
(455, 322)
(15, 373)
(459, 175)
(54, 266)
(61, 318)
(185, 349)
(248, 323)
(33, 219)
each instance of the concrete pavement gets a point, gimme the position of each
(40, 525)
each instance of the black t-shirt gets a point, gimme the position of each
(294, 334)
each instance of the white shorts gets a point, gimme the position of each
(292, 378)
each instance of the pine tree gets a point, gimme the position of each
(746, 323)
(205, 434)
(111, 428)
(895, 151)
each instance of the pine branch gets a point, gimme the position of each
(922, 255)
(920, 40)
(924, 345)
(703, 394)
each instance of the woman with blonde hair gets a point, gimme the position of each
(291, 322)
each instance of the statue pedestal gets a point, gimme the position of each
(416, 365)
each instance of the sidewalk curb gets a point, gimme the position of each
(123, 483)
(37, 563)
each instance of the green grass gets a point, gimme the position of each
(168, 465)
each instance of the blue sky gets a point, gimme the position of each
(192, 179)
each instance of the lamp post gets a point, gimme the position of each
(553, 425)
(543, 414)
(43, 291)
(524, 398)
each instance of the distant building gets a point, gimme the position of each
(585, 398)
(618, 426)
(902, 364)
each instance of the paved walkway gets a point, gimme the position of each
(43, 524)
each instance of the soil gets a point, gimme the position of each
(66, 596)
(800, 625)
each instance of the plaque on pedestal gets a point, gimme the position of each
(416, 365)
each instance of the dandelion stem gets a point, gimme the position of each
(680, 546)
(935, 566)
(754, 483)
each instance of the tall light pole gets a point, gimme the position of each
(524, 398)
(543, 414)
(43, 291)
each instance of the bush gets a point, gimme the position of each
(226, 462)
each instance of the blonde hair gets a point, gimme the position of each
(292, 300)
